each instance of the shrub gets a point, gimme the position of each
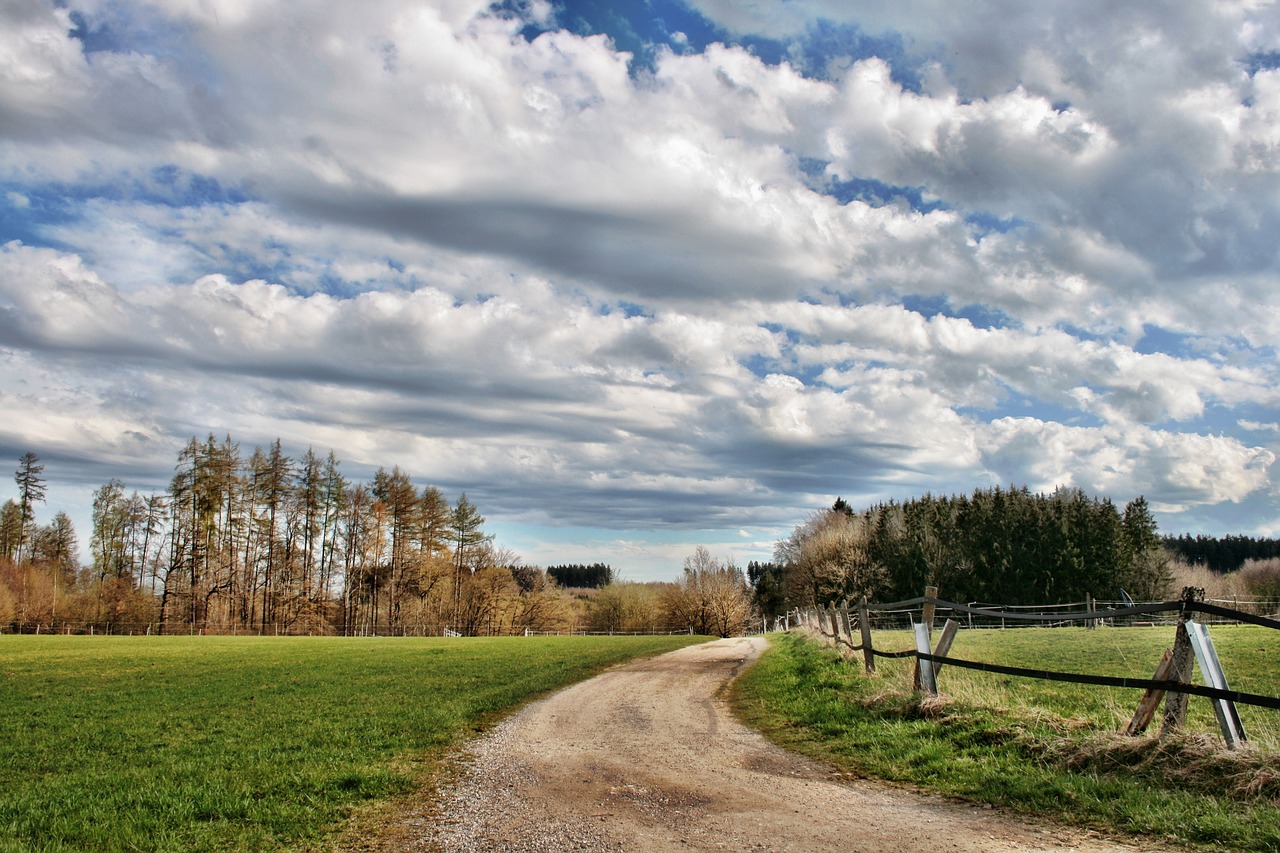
(1261, 578)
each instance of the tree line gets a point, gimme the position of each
(1007, 546)
(1221, 554)
(266, 543)
(581, 576)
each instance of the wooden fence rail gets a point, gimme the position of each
(1171, 681)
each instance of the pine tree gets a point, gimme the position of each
(31, 490)
(465, 528)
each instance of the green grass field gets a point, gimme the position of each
(1041, 747)
(222, 743)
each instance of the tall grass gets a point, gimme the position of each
(191, 743)
(1045, 748)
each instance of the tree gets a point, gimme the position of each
(541, 605)
(358, 558)
(10, 529)
(31, 490)
(594, 576)
(272, 484)
(830, 561)
(712, 597)
(308, 497)
(108, 541)
(335, 495)
(625, 606)
(399, 499)
(56, 545)
(465, 527)
(766, 585)
(1147, 576)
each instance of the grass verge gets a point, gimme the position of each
(226, 743)
(1032, 749)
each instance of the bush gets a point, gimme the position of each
(1261, 578)
(1215, 584)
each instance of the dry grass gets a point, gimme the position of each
(1191, 762)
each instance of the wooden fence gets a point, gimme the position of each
(851, 627)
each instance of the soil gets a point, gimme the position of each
(646, 757)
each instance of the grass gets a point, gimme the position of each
(222, 743)
(1042, 748)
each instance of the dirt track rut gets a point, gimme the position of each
(647, 758)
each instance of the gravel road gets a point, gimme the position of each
(647, 758)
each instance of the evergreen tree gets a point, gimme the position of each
(1147, 576)
(465, 527)
(31, 490)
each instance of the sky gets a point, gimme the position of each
(642, 276)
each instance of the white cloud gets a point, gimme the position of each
(1176, 470)
(406, 233)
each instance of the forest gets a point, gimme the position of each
(1221, 554)
(1006, 546)
(267, 544)
(593, 576)
(264, 543)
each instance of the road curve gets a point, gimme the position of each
(646, 757)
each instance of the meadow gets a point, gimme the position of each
(1045, 748)
(243, 743)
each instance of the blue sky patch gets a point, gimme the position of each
(988, 223)
(26, 212)
(826, 48)
(1262, 61)
(626, 309)
(96, 38)
(645, 28)
(1157, 340)
(981, 316)
(866, 190)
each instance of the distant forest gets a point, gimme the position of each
(578, 576)
(1225, 554)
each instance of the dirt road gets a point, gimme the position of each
(647, 758)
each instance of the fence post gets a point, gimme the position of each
(864, 627)
(924, 680)
(1175, 704)
(1151, 699)
(844, 621)
(1211, 669)
(926, 615)
(948, 637)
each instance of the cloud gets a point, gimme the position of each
(1179, 470)
(711, 292)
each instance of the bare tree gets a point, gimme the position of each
(712, 597)
(625, 606)
(10, 529)
(828, 559)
